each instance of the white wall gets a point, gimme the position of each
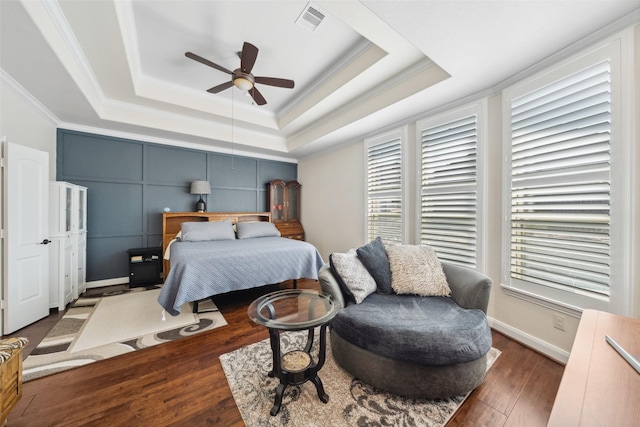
(333, 216)
(21, 124)
(332, 199)
(333, 210)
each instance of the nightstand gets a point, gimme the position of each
(144, 266)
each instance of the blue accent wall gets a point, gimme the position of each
(130, 183)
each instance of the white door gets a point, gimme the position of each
(26, 203)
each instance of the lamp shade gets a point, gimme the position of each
(200, 187)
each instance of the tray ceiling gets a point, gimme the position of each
(120, 66)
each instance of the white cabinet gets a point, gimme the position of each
(79, 237)
(61, 246)
(68, 233)
(60, 272)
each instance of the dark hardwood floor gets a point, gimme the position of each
(181, 383)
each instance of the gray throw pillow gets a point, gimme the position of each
(204, 231)
(250, 230)
(354, 279)
(374, 257)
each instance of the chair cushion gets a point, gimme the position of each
(423, 330)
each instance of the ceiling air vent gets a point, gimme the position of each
(310, 17)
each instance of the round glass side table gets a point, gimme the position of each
(295, 310)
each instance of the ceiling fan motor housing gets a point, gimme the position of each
(242, 80)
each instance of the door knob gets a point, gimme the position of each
(45, 242)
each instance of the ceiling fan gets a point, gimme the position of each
(242, 77)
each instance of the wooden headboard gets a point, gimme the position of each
(171, 224)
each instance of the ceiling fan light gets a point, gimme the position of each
(243, 83)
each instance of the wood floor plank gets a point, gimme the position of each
(508, 377)
(476, 413)
(182, 382)
(534, 406)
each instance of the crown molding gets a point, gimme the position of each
(18, 90)
(29, 99)
(73, 46)
(175, 143)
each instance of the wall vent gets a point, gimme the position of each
(310, 17)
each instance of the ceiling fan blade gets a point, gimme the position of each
(257, 96)
(220, 87)
(248, 57)
(206, 62)
(273, 81)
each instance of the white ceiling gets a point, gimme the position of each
(119, 66)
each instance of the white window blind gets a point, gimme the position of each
(448, 210)
(384, 188)
(560, 183)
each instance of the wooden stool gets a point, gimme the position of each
(10, 374)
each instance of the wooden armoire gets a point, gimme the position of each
(284, 204)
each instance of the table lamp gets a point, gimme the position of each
(200, 187)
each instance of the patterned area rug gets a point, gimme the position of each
(351, 402)
(58, 350)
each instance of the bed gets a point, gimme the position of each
(220, 252)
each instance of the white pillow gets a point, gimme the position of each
(354, 276)
(203, 231)
(252, 229)
(416, 270)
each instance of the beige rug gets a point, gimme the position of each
(123, 317)
(351, 402)
(98, 327)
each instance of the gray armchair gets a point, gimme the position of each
(433, 347)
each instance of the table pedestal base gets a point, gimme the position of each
(297, 367)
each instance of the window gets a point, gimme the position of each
(448, 185)
(385, 187)
(561, 240)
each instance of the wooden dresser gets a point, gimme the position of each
(284, 204)
(599, 387)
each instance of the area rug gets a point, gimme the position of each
(113, 323)
(351, 402)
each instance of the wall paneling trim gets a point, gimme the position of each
(130, 183)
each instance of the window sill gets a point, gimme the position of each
(568, 309)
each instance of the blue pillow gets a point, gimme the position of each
(250, 230)
(374, 257)
(204, 231)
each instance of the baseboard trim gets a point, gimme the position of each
(549, 350)
(108, 282)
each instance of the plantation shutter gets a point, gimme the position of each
(560, 182)
(448, 215)
(384, 189)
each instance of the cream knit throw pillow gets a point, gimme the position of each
(416, 270)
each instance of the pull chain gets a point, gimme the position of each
(233, 90)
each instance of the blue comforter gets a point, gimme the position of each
(203, 269)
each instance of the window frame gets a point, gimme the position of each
(621, 177)
(401, 134)
(480, 110)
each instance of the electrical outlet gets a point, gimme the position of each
(558, 321)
